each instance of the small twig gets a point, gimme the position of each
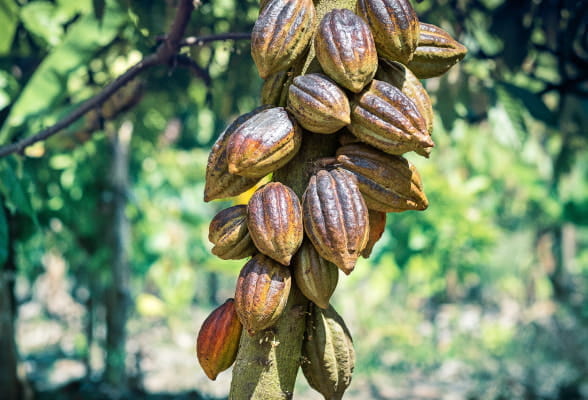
(200, 40)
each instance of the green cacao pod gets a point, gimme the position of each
(229, 234)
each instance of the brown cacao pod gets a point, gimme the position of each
(387, 119)
(316, 277)
(395, 26)
(274, 90)
(274, 218)
(388, 183)
(318, 104)
(229, 234)
(377, 227)
(336, 217)
(261, 293)
(220, 183)
(218, 340)
(328, 358)
(346, 50)
(436, 53)
(263, 143)
(281, 34)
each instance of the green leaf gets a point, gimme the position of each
(84, 38)
(3, 237)
(8, 22)
(531, 101)
(13, 190)
(41, 19)
(8, 88)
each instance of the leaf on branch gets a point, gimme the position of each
(13, 191)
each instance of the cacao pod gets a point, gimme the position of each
(336, 217)
(229, 234)
(261, 294)
(377, 227)
(218, 340)
(345, 49)
(281, 34)
(328, 358)
(387, 119)
(220, 183)
(263, 143)
(316, 277)
(437, 51)
(274, 89)
(395, 26)
(274, 218)
(388, 183)
(318, 104)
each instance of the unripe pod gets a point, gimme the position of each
(218, 340)
(345, 49)
(395, 27)
(281, 34)
(336, 217)
(229, 234)
(318, 104)
(274, 218)
(316, 277)
(261, 294)
(388, 183)
(437, 51)
(377, 228)
(263, 143)
(327, 351)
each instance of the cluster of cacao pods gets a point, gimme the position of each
(350, 73)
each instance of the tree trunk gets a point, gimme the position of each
(118, 294)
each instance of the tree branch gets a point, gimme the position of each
(165, 53)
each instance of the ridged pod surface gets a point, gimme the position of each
(274, 218)
(262, 290)
(281, 34)
(388, 183)
(229, 234)
(220, 183)
(436, 53)
(346, 50)
(218, 339)
(318, 104)
(316, 277)
(389, 120)
(377, 228)
(273, 90)
(395, 26)
(327, 351)
(263, 143)
(336, 217)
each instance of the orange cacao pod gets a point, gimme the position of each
(346, 50)
(316, 277)
(388, 183)
(377, 227)
(274, 218)
(281, 34)
(261, 293)
(263, 143)
(229, 234)
(336, 217)
(218, 340)
(437, 51)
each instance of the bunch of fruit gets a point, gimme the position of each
(353, 74)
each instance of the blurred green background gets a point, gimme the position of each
(482, 296)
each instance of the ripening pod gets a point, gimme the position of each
(274, 218)
(229, 234)
(328, 357)
(345, 49)
(281, 34)
(263, 143)
(316, 277)
(318, 104)
(377, 228)
(336, 217)
(437, 51)
(218, 340)
(395, 26)
(261, 294)
(389, 120)
(388, 183)
(220, 183)
(274, 89)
